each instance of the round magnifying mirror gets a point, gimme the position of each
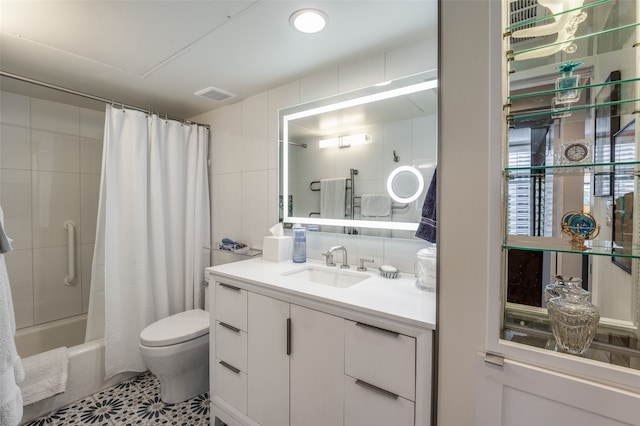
(405, 184)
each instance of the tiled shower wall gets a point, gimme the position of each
(50, 161)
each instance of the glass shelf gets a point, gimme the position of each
(627, 106)
(631, 168)
(581, 87)
(560, 245)
(612, 346)
(513, 54)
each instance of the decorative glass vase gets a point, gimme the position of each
(574, 319)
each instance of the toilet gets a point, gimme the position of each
(176, 350)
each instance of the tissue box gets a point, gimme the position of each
(277, 249)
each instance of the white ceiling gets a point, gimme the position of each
(156, 54)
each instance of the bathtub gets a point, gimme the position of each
(86, 365)
(54, 334)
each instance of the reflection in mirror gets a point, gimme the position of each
(562, 156)
(357, 163)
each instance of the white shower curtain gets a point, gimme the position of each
(153, 222)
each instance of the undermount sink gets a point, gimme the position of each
(331, 277)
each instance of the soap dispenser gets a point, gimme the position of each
(299, 244)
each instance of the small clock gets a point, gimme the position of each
(574, 153)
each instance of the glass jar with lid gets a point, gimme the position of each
(574, 319)
(425, 268)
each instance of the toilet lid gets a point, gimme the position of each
(176, 328)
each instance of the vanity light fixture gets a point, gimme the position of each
(344, 141)
(308, 20)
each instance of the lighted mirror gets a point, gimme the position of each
(359, 162)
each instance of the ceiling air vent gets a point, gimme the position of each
(214, 94)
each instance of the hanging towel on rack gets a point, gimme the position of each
(11, 373)
(332, 201)
(427, 227)
(375, 207)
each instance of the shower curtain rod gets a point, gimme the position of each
(93, 97)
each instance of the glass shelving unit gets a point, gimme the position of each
(603, 36)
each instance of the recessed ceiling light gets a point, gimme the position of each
(308, 20)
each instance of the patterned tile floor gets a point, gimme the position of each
(134, 402)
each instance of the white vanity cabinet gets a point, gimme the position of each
(296, 360)
(283, 358)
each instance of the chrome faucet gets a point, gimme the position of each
(329, 256)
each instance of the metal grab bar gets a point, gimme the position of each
(70, 226)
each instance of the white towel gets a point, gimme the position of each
(45, 375)
(10, 366)
(375, 207)
(332, 201)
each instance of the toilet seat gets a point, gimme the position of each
(176, 328)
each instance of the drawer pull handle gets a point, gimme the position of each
(230, 287)
(288, 336)
(378, 329)
(229, 366)
(376, 389)
(229, 327)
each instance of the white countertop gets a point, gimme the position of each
(397, 299)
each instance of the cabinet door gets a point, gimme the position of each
(317, 368)
(268, 362)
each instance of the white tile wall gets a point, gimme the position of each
(228, 140)
(361, 74)
(55, 117)
(282, 97)
(91, 124)
(255, 207)
(254, 133)
(318, 86)
(227, 202)
(15, 109)
(50, 162)
(55, 199)
(90, 155)
(406, 60)
(52, 298)
(15, 147)
(89, 196)
(55, 152)
(15, 198)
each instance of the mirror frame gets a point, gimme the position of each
(403, 86)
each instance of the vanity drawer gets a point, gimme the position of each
(365, 406)
(231, 305)
(381, 357)
(231, 345)
(231, 385)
